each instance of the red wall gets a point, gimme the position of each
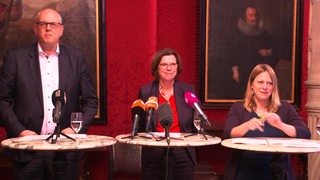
(135, 30)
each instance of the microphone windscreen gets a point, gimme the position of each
(152, 103)
(58, 95)
(138, 107)
(165, 115)
(190, 98)
(138, 103)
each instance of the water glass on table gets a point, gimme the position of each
(76, 121)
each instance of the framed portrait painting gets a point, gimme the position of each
(84, 28)
(235, 36)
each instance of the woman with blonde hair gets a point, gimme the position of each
(262, 114)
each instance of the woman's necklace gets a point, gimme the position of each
(166, 93)
(261, 112)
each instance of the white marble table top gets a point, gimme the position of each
(176, 140)
(276, 145)
(39, 142)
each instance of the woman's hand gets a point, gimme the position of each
(252, 124)
(273, 119)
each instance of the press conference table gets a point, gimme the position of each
(176, 140)
(278, 147)
(273, 145)
(39, 143)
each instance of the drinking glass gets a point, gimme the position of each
(318, 126)
(196, 123)
(76, 121)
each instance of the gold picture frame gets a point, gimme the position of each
(82, 30)
(219, 23)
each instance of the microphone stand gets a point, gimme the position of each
(167, 137)
(147, 131)
(56, 134)
(201, 130)
(57, 130)
(134, 127)
(147, 137)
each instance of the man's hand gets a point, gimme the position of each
(27, 133)
(68, 131)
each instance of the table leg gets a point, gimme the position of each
(58, 164)
(111, 162)
(278, 167)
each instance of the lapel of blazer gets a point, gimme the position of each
(180, 102)
(63, 67)
(179, 97)
(33, 63)
(155, 92)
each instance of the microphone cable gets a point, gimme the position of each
(167, 162)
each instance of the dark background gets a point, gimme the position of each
(222, 21)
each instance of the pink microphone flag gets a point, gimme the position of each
(190, 98)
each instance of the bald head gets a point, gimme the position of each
(48, 28)
(50, 13)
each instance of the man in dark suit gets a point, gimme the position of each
(28, 77)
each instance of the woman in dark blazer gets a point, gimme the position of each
(166, 66)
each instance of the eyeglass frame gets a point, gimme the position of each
(53, 25)
(265, 84)
(165, 65)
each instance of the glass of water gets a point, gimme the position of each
(196, 123)
(76, 121)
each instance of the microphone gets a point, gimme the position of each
(58, 100)
(137, 109)
(192, 101)
(151, 106)
(165, 116)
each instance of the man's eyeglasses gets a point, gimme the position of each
(53, 25)
(164, 65)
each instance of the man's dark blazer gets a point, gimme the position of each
(21, 103)
(185, 113)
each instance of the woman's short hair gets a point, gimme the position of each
(157, 58)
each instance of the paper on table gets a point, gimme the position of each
(249, 141)
(284, 142)
(42, 137)
(35, 137)
(162, 134)
(295, 143)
